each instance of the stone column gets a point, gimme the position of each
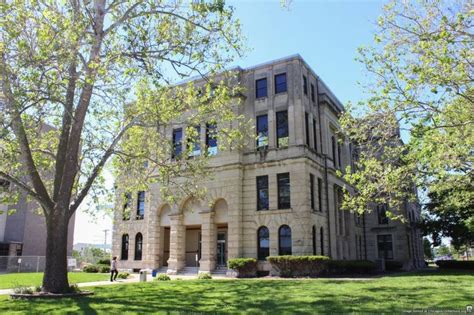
(177, 259)
(208, 242)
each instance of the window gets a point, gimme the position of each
(262, 193)
(314, 240)
(320, 194)
(339, 149)
(315, 136)
(313, 98)
(194, 141)
(306, 121)
(124, 252)
(177, 142)
(261, 88)
(284, 240)
(382, 214)
(126, 206)
(284, 191)
(282, 129)
(262, 131)
(280, 83)
(321, 239)
(333, 143)
(305, 85)
(141, 205)
(385, 246)
(138, 246)
(311, 187)
(263, 243)
(211, 139)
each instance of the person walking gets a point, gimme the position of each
(113, 269)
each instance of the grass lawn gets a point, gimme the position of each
(11, 280)
(427, 290)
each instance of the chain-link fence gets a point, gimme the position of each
(28, 263)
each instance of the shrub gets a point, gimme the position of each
(162, 277)
(22, 290)
(350, 267)
(245, 267)
(104, 262)
(393, 265)
(104, 268)
(74, 288)
(123, 275)
(37, 289)
(299, 266)
(204, 276)
(91, 269)
(455, 264)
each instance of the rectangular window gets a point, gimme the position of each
(262, 131)
(140, 205)
(313, 98)
(333, 145)
(282, 129)
(320, 194)
(261, 88)
(262, 193)
(306, 121)
(211, 139)
(315, 136)
(194, 142)
(284, 200)
(126, 206)
(385, 246)
(280, 83)
(339, 149)
(311, 187)
(305, 85)
(177, 143)
(382, 214)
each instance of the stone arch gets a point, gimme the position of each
(190, 210)
(164, 215)
(221, 211)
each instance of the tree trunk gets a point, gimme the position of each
(55, 274)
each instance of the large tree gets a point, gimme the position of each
(420, 71)
(79, 77)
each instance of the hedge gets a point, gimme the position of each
(393, 265)
(96, 268)
(456, 264)
(350, 267)
(299, 266)
(245, 267)
(104, 262)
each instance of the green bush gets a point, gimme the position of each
(91, 269)
(123, 275)
(104, 262)
(162, 277)
(204, 276)
(393, 265)
(22, 290)
(104, 268)
(456, 264)
(350, 267)
(299, 266)
(245, 267)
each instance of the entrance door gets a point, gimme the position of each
(221, 249)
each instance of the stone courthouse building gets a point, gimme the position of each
(278, 196)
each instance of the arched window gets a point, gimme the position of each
(314, 240)
(263, 243)
(138, 246)
(321, 239)
(284, 240)
(124, 254)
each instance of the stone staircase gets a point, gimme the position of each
(188, 271)
(220, 271)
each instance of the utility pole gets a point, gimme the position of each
(105, 239)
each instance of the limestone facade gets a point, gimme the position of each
(195, 234)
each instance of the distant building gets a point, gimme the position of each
(23, 233)
(80, 247)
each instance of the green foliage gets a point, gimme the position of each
(245, 267)
(123, 275)
(22, 290)
(427, 250)
(91, 269)
(299, 266)
(104, 262)
(162, 277)
(204, 276)
(456, 264)
(420, 70)
(104, 268)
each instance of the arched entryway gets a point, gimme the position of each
(221, 219)
(165, 224)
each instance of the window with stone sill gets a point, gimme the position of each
(282, 129)
(284, 194)
(140, 205)
(262, 131)
(280, 83)
(261, 88)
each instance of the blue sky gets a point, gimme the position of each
(325, 33)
